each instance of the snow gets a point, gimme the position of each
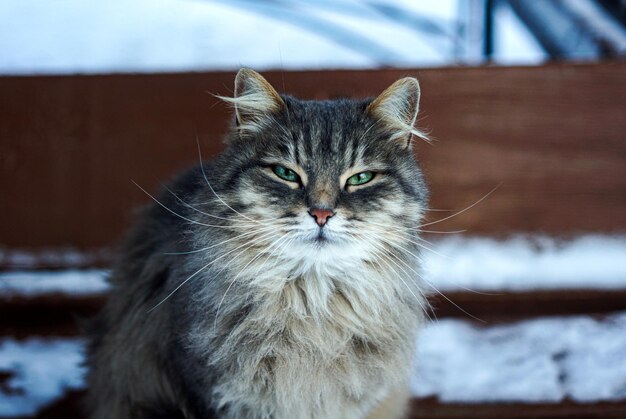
(454, 263)
(69, 282)
(43, 370)
(526, 263)
(60, 257)
(75, 36)
(543, 360)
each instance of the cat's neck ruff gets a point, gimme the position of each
(324, 323)
(308, 279)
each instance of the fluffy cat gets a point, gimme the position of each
(279, 280)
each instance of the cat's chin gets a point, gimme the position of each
(322, 238)
(322, 243)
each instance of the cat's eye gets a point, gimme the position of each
(360, 178)
(286, 174)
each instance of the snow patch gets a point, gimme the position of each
(526, 263)
(454, 263)
(70, 282)
(22, 259)
(544, 360)
(42, 370)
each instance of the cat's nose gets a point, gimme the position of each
(321, 215)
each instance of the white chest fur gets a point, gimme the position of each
(317, 340)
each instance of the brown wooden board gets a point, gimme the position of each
(59, 315)
(433, 409)
(552, 137)
(70, 406)
(499, 307)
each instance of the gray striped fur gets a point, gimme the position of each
(230, 301)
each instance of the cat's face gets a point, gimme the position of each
(332, 180)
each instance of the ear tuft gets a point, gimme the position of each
(397, 109)
(255, 101)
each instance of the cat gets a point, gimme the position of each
(280, 280)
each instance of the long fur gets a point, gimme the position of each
(230, 301)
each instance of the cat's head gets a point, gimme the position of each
(336, 178)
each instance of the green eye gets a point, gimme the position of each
(360, 178)
(286, 174)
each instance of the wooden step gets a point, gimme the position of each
(70, 407)
(57, 314)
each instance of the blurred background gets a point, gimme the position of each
(74, 36)
(525, 101)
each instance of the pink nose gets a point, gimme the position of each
(321, 215)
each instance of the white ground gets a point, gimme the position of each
(527, 263)
(44, 370)
(543, 360)
(70, 282)
(538, 360)
(451, 263)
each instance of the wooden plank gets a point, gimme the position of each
(433, 409)
(70, 406)
(498, 307)
(56, 315)
(552, 137)
(47, 315)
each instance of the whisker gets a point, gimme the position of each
(282, 247)
(458, 285)
(211, 187)
(200, 211)
(407, 235)
(200, 270)
(442, 232)
(382, 253)
(463, 210)
(386, 232)
(217, 312)
(426, 281)
(177, 214)
(240, 236)
(423, 246)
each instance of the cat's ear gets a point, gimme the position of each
(255, 101)
(396, 108)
